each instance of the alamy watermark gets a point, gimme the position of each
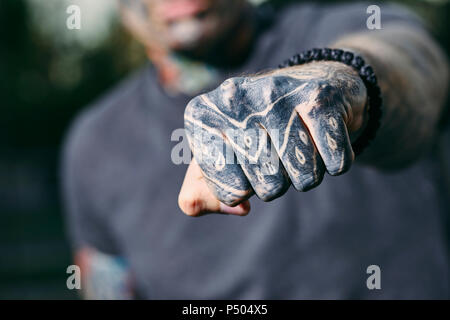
(74, 280)
(73, 21)
(374, 280)
(217, 149)
(374, 20)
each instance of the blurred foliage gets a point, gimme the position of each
(43, 84)
(37, 89)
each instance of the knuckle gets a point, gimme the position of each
(230, 199)
(309, 182)
(190, 206)
(338, 168)
(228, 91)
(341, 161)
(230, 82)
(191, 107)
(273, 191)
(326, 88)
(193, 103)
(229, 86)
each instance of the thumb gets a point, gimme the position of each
(196, 199)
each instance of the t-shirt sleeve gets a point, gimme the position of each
(353, 18)
(321, 25)
(84, 224)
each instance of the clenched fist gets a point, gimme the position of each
(259, 134)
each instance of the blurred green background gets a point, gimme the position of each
(48, 74)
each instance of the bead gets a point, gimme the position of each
(372, 79)
(326, 53)
(347, 57)
(357, 62)
(302, 57)
(316, 54)
(336, 54)
(374, 90)
(308, 56)
(375, 100)
(366, 71)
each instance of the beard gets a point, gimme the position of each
(186, 34)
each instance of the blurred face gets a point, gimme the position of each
(190, 24)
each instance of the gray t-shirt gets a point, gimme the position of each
(121, 189)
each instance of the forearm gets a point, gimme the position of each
(413, 76)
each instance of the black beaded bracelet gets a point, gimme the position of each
(367, 75)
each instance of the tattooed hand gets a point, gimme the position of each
(261, 133)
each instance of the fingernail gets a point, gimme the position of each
(239, 210)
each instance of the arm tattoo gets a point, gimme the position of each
(413, 76)
(304, 116)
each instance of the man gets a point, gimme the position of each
(121, 183)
